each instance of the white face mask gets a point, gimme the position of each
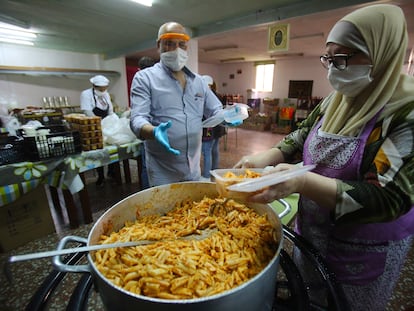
(352, 80)
(100, 94)
(175, 60)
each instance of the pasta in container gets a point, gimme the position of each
(227, 177)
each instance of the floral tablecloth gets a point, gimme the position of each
(19, 178)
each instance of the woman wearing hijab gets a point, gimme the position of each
(356, 206)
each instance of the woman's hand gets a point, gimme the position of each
(271, 156)
(281, 190)
(315, 187)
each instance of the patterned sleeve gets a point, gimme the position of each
(292, 144)
(386, 188)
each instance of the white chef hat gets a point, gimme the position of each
(99, 80)
(207, 79)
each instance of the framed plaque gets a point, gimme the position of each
(278, 38)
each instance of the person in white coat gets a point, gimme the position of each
(96, 101)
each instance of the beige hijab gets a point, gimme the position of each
(384, 30)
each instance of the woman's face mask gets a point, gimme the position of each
(175, 60)
(352, 80)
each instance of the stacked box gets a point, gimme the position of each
(26, 219)
(90, 130)
(257, 122)
(270, 105)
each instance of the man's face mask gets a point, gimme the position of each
(174, 50)
(175, 60)
(99, 93)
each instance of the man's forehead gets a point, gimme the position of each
(172, 27)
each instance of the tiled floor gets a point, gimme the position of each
(29, 275)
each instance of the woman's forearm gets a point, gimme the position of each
(321, 189)
(262, 159)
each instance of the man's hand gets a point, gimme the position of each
(160, 134)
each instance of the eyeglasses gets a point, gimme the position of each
(340, 61)
(172, 45)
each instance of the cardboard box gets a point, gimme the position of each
(25, 220)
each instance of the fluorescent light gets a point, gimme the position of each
(319, 34)
(144, 2)
(286, 55)
(13, 22)
(218, 48)
(17, 35)
(228, 60)
(16, 41)
(5, 32)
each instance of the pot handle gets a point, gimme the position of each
(61, 266)
(287, 209)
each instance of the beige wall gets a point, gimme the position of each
(23, 90)
(285, 70)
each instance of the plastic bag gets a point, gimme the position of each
(116, 131)
(10, 123)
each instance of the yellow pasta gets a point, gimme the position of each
(247, 174)
(241, 244)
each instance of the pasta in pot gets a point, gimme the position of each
(241, 245)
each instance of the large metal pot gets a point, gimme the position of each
(256, 294)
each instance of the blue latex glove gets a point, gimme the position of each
(233, 123)
(232, 114)
(160, 134)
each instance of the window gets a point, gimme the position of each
(264, 77)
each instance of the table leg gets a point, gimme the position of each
(236, 137)
(56, 207)
(139, 166)
(55, 198)
(225, 139)
(84, 199)
(127, 171)
(117, 172)
(71, 209)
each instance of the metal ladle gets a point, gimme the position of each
(205, 234)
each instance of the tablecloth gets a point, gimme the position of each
(20, 178)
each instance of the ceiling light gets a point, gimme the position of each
(17, 35)
(228, 60)
(6, 32)
(144, 2)
(16, 41)
(319, 34)
(219, 48)
(11, 22)
(286, 55)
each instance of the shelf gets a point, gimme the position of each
(51, 71)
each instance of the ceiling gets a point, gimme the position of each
(234, 28)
